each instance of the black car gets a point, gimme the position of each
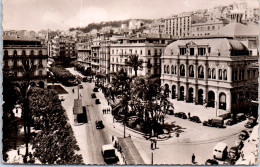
(233, 153)
(231, 121)
(93, 95)
(214, 123)
(240, 117)
(97, 101)
(211, 162)
(243, 135)
(181, 115)
(229, 161)
(251, 122)
(95, 89)
(195, 119)
(99, 124)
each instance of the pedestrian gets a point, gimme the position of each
(193, 158)
(189, 115)
(16, 110)
(151, 144)
(30, 155)
(129, 136)
(155, 143)
(80, 95)
(72, 90)
(112, 138)
(18, 151)
(242, 155)
(105, 111)
(108, 110)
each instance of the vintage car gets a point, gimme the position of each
(99, 124)
(211, 162)
(195, 119)
(243, 135)
(181, 115)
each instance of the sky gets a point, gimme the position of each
(64, 14)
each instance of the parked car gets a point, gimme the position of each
(229, 161)
(225, 116)
(195, 119)
(243, 135)
(211, 162)
(214, 123)
(99, 124)
(85, 79)
(233, 153)
(97, 101)
(239, 144)
(220, 151)
(181, 115)
(93, 95)
(95, 89)
(81, 86)
(240, 117)
(109, 154)
(251, 122)
(231, 121)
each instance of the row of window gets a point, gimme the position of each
(211, 72)
(15, 62)
(131, 51)
(191, 51)
(23, 52)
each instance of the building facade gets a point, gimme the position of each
(207, 72)
(62, 50)
(16, 50)
(84, 54)
(148, 48)
(202, 29)
(180, 25)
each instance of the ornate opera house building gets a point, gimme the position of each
(209, 71)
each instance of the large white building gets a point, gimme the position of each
(208, 71)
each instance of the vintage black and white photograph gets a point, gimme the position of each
(130, 82)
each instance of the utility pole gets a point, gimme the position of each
(152, 159)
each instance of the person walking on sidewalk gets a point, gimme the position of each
(189, 115)
(155, 143)
(151, 144)
(193, 158)
(72, 90)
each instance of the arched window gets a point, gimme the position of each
(32, 53)
(40, 52)
(6, 52)
(220, 74)
(222, 101)
(213, 73)
(175, 70)
(15, 52)
(164, 69)
(23, 53)
(182, 70)
(191, 71)
(225, 74)
(172, 70)
(201, 72)
(168, 69)
(209, 73)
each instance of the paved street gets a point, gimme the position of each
(195, 138)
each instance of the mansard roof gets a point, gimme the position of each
(219, 46)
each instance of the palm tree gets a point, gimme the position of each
(134, 62)
(22, 90)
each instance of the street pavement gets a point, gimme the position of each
(195, 138)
